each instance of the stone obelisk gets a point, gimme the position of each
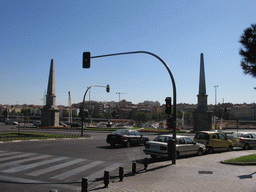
(202, 117)
(50, 112)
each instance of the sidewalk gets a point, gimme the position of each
(200, 173)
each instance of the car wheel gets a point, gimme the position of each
(145, 142)
(230, 148)
(246, 146)
(112, 144)
(200, 152)
(177, 155)
(153, 156)
(210, 150)
(128, 144)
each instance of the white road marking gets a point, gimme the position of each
(56, 167)
(77, 170)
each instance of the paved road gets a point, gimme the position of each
(48, 164)
(61, 161)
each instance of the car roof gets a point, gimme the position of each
(209, 132)
(170, 135)
(244, 132)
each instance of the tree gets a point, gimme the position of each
(141, 117)
(107, 115)
(248, 41)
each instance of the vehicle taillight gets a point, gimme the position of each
(122, 138)
(163, 148)
(147, 145)
(240, 140)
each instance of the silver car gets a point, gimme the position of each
(243, 139)
(184, 146)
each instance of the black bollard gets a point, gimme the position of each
(134, 168)
(84, 184)
(106, 178)
(121, 173)
(145, 163)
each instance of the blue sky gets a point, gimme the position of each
(178, 31)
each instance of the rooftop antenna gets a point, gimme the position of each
(44, 98)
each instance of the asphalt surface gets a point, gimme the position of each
(195, 173)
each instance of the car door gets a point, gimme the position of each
(253, 140)
(247, 139)
(223, 144)
(191, 148)
(133, 137)
(139, 137)
(181, 146)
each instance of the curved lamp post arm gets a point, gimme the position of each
(173, 85)
(82, 129)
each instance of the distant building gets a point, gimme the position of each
(243, 112)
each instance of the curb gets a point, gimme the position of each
(238, 163)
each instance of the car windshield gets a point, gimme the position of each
(202, 136)
(162, 139)
(121, 132)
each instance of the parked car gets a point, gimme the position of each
(243, 139)
(15, 123)
(126, 137)
(37, 123)
(63, 124)
(11, 122)
(75, 125)
(149, 126)
(214, 141)
(8, 122)
(184, 146)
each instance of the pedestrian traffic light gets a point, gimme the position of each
(86, 59)
(107, 88)
(168, 105)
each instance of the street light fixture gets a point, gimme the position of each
(107, 89)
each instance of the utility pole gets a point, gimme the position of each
(215, 125)
(70, 110)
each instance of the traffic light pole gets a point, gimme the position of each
(174, 91)
(82, 129)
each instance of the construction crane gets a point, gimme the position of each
(70, 110)
(119, 96)
(44, 98)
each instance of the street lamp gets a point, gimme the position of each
(107, 89)
(215, 105)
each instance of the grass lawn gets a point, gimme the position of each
(243, 159)
(10, 136)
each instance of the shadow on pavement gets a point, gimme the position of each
(246, 176)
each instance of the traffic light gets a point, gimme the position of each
(86, 59)
(169, 123)
(107, 88)
(168, 105)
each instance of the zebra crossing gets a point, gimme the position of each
(52, 168)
